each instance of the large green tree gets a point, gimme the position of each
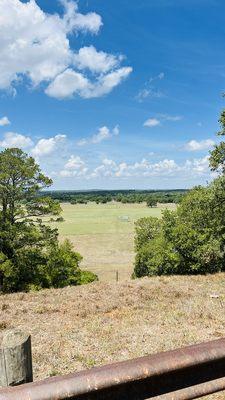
(191, 239)
(30, 255)
(217, 155)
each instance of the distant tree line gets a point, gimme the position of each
(191, 239)
(126, 196)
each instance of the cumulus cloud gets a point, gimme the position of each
(42, 53)
(13, 139)
(95, 61)
(194, 145)
(103, 133)
(151, 122)
(70, 83)
(46, 146)
(145, 168)
(75, 167)
(67, 84)
(4, 121)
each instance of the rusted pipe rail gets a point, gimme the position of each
(186, 373)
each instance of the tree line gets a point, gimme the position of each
(151, 197)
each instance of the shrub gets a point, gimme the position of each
(87, 277)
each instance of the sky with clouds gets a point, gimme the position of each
(113, 94)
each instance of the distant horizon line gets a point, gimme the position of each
(114, 190)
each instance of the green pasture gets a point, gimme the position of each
(102, 218)
(104, 235)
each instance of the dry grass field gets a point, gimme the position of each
(80, 327)
(103, 234)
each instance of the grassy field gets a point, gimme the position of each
(103, 234)
(80, 327)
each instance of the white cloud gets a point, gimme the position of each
(41, 51)
(151, 122)
(67, 84)
(103, 133)
(95, 61)
(13, 139)
(194, 145)
(74, 167)
(145, 168)
(74, 21)
(74, 162)
(70, 83)
(46, 146)
(108, 168)
(4, 121)
(149, 90)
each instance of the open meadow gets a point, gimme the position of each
(104, 235)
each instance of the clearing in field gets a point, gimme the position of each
(104, 234)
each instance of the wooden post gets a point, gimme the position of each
(117, 276)
(15, 358)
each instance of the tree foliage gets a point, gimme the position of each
(187, 241)
(30, 255)
(190, 240)
(217, 155)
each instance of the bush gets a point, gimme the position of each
(87, 277)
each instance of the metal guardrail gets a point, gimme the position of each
(186, 373)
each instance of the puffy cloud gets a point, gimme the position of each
(13, 139)
(46, 146)
(103, 133)
(90, 58)
(41, 51)
(74, 162)
(4, 121)
(74, 167)
(195, 145)
(145, 168)
(70, 83)
(74, 21)
(151, 122)
(67, 84)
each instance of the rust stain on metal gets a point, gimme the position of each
(182, 374)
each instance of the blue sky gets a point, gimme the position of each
(113, 94)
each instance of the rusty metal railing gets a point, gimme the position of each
(186, 373)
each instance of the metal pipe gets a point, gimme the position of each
(189, 372)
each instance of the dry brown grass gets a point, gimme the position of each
(79, 327)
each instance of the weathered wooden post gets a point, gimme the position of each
(15, 358)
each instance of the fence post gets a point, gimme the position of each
(15, 358)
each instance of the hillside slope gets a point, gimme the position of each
(79, 327)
